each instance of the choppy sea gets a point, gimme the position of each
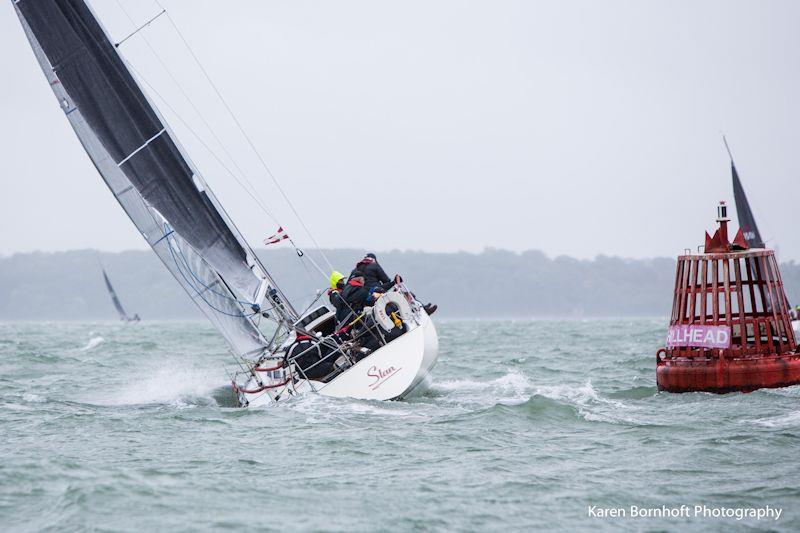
(529, 424)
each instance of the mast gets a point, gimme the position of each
(746, 219)
(158, 186)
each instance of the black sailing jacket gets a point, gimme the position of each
(373, 272)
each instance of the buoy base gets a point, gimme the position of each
(728, 375)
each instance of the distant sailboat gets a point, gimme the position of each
(746, 219)
(117, 304)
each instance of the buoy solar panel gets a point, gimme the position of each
(730, 328)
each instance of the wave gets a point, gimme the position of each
(785, 421)
(186, 386)
(517, 390)
(93, 343)
(29, 397)
(634, 393)
(512, 387)
(542, 407)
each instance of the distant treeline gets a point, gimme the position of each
(495, 283)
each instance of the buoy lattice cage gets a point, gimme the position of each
(742, 290)
(730, 328)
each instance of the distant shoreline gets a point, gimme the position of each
(493, 284)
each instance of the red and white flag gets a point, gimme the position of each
(277, 237)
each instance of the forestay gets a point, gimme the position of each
(147, 171)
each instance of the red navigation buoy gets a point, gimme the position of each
(730, 328)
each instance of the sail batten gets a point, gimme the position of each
(143, 165)
(142, 147)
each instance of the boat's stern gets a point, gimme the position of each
(393, 371)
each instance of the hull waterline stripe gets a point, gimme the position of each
(142, 147)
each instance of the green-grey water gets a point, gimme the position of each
(108, 427)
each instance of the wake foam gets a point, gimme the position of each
(173, 384)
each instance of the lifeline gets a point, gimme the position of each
(686, 511)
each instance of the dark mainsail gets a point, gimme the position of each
(746, 219)
(115, 300)
(101, 87)
(145, 168)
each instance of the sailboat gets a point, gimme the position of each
(386, 352)
(117, 304)
(747, 222)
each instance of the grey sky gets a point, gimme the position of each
(572, 127)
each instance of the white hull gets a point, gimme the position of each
(796, 327)
(392, 372)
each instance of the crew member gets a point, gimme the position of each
(375, 278)
(335, 292)
(372, 271)
(355, 296)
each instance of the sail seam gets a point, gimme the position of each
(249, 141)
(142, 147)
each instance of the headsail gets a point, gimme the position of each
(115, 299)
(746, 219)
(147, 171)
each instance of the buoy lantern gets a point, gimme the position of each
(730, 328)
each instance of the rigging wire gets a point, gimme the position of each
(197, 136)
(166, 104)
(205, 145)
(244, 133)
(200, 293)
(196, 110)
(208, 288)
(251, 191)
